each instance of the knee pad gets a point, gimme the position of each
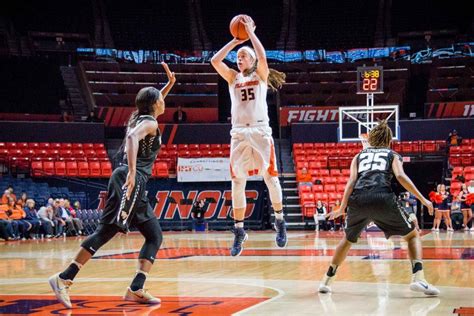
(99, 238)
(238, 193)
(274, 188)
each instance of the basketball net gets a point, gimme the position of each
(364, 139)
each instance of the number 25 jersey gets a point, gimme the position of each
(249, 100)
(374, 170)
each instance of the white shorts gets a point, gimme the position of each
(252, 152)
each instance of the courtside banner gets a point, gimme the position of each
(203, 169)
(449, 109)
(308, 114)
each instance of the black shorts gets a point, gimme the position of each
(122, 212)
(381, 208)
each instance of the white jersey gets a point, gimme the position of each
(249, 100)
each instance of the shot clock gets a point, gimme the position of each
(369, 80)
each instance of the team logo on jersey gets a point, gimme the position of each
(247, 84)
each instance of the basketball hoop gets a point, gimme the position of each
(364, 139)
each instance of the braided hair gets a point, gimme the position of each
(381, 135)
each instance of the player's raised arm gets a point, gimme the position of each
(217, 60)
(262, 66)
(405, 181)
(171, 80)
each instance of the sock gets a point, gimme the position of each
(238, 224)
(332, 270)
(138, 281)
(71, 271)
(279, 215)
(416, 266)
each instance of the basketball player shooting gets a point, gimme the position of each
(252, 146)
(368, 197)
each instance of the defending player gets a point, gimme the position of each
(252, 147)
(127, 202)
(369, 197)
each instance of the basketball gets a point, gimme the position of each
(237, 28)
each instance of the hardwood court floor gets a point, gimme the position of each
(194, 275)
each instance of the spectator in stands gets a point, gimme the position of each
(93, 118)
(71, 210)
(198, 211)
(9, 193)
(74, 225)
(46, 216)
(180, 116)
(320, 216)
(77, 206)
(65, 117)
(22, 201)
(456, 214)
(10, 225)
(465, 209)
(18, 215)
(453, 139)
(32, 218)
(6, 197)
(58, 220)
(303, 177)
(50, 201)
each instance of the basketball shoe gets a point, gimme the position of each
(419, 284)
(141, 296)
(280, 227)
(240, 236)
(61, 289)
(325, 285)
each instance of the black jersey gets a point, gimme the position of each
(374, 170)
(148, 148)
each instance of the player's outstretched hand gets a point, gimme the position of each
(171, 75)
(249, 24)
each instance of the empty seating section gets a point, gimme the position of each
(150, 24)
(169, 154)
(217, 15)
(329, 167)
(318, 26)
(451, 80)
(115, 84)
(59, 159)
(335, 84)
(41, 191)
(461, 158)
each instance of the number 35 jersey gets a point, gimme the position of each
(249, 100)
(374, 170)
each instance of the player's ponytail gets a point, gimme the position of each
(276, 78)
(380, 135)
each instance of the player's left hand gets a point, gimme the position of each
(171, 75)
(249, 24)
(129, 184)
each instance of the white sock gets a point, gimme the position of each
(239, 225)
(279, 215)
